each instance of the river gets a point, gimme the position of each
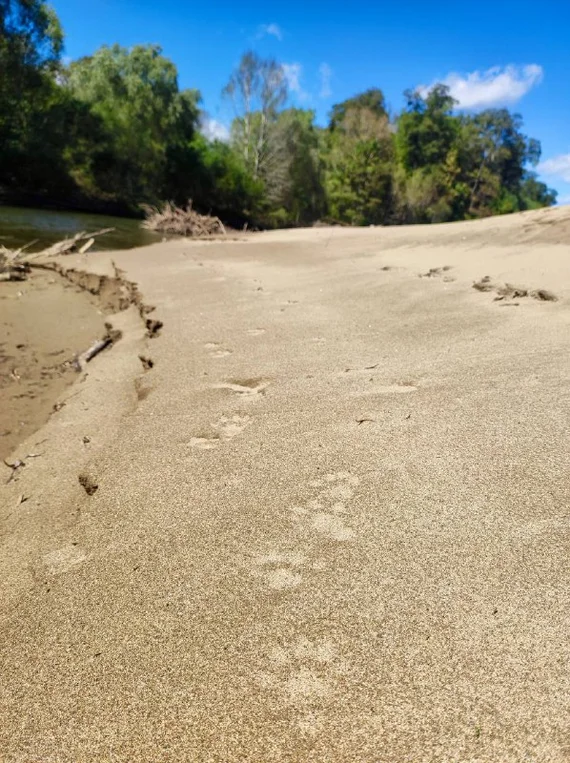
(19, 226)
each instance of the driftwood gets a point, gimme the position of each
(86, 246)
(69, 245)
(180, 221)
(112, 336)
(15, 273)
(14, 263)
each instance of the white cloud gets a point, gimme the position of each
(492, 87)
(214, 130)
(325, 72)
(558, 166)
(270, 29)
(293, 73)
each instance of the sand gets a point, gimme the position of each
(44, 323)
(328, 523)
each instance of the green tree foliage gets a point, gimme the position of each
(145, 121)
(114, 130)
(221, 184)
(359, 150)
(32, 107)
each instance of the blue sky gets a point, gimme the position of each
(514, 54)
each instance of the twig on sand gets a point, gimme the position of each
(15, 466)
(96, 348)
(112, 336)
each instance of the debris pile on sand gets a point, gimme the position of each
(508, 291)
(184, 222)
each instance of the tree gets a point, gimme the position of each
(370, 103)
(31, 42)
(146, 122)
(502, 152)
(258, 89)
(295, 186)
(359, 160)
(221, 184)
(426, 129)
(534, 194)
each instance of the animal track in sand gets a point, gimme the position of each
(216, 350)
(304, 672)
(324, 514)
(204, 443)
(229, 427)
(279, 570)
(226, 428)
(244, 387)
(63, 559)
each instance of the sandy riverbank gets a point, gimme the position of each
(44, 323)
(328, 522)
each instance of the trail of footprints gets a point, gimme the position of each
(230, 426)
(306, 672)
(326, 515)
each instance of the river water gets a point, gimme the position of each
(19, 226)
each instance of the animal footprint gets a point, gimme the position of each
(63, 559)
(279, 571)
(332, 526)
(216, 350)
(204, 443)
(304, 671)
(229, 427)
(226, 428)
(245, 387)
(325, 512)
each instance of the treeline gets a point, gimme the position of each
(112, 131)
